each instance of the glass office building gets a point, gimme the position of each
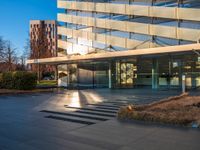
(128, 43)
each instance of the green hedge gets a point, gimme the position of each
(20, 80)
(1, 86)
(7, 80)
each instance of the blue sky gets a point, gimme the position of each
(15, 16)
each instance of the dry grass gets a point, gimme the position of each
(47, 83)
(183, 109)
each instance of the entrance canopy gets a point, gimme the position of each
(118, 54)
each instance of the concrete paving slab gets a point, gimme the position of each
(113, 132)
(23, 126)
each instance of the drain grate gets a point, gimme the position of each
(94, 113)
(70, 120)
(74, 115)
(97, 110)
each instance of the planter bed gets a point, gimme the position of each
(180, 110)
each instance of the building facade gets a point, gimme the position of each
(128, 43)
(43, 42)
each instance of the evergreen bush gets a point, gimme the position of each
(19, 80)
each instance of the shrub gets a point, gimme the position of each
(7, 80)
(1, 84)
(24, 80)
(19, 80)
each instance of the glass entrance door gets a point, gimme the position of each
(125, 74)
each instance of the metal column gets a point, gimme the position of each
(155, 74)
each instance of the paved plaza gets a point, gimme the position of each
(86, 120)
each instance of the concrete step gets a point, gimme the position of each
(92, 109)
(73, 119)
(75, 114)
(96, 113)
(114, 103)
(104, 105)
(107, 108)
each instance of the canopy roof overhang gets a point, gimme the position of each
(117, 54)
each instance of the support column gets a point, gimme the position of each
(155, 76)
(180, 73)
(77, 76)
(56, 73)
(170, 71)
(39, 72)
(194, 75)
(93, 76)
(68, 76)
(110, 76)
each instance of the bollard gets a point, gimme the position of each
(183, 83)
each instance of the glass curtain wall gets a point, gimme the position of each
(173, 67)
(93, 75)
(159, 71)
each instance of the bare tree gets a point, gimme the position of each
(9, 56)
(9, 61)
(25, 55)
(27, 49)
(2, 47)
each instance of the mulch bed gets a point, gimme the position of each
(180, 110)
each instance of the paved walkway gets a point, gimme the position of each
(86, 120)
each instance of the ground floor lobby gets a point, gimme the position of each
(167, 71)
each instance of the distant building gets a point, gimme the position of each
(43, 42)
